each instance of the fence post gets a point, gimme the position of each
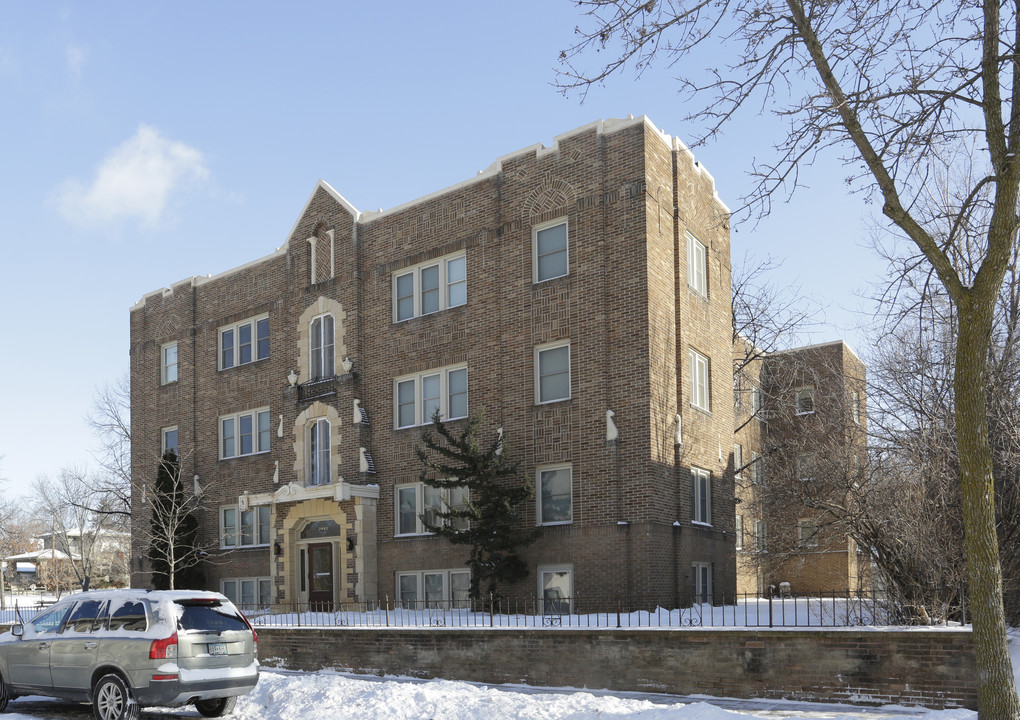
(386, 600)
(491, 610)
(771, 588)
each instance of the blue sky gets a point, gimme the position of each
(145, 143)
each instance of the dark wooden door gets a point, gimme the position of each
(320, 576)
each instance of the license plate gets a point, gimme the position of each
(217, 648)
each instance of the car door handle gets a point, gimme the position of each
(91, 645)
(44, 646)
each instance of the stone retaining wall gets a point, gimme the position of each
(934, 668)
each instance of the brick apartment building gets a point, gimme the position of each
(578, 295)
(808, 449)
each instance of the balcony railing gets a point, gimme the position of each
(321, 387)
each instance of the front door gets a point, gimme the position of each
(320, 576)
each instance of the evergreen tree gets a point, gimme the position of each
(173, 549)
(489, 519)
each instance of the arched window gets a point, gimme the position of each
(322, 363)
(318, 452)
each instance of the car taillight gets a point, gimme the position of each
(254, 635)
(164, 648)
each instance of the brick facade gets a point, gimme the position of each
(629, 196)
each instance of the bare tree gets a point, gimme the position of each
(79, 524)
(894, 85)
(175, 552)
(110, 421)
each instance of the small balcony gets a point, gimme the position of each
(322, 387)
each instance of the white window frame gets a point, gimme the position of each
(447, 597)
(323, 355)
(802, 394)
(318, 460)
(233, 589)
(537, 360)
(535, 260)
(738, 461)
(701, 380)
(259, 444)
(256, 353)
(760, 536)
(167, 368)
(805, 538)
(805, 466)
(756, 469)
(539, 499)
(701, 586)
(443, 498)
(697, 266)
(163, 444)
(544, 570)
(701, 496)
(448, 285)
(855, 405)
(423, 382)
(232, 531)
(738, 531)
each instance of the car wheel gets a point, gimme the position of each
(216, 708)
(4, 697)
(111, 699)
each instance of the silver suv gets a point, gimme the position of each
(124, 649)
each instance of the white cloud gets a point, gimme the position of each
(134, 182)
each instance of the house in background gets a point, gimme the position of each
(578, 295)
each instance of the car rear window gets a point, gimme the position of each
(209, 616)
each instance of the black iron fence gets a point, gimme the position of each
(822, 610)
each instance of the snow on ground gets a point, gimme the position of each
(328, 695)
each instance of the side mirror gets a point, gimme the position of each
(18, 630)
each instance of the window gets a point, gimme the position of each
(701, 575)
(805, 402)
(552, 373)
(417, 397)
(434, 588)
(805, 467)
(699, 380)
(418, 499)
(248, 592)
(855, 407)
(170, 440)
(755, 399)
(549, 250)
(555, 585)
(760, 541)
(245, 433)
(321, 359)
(168, 363)
(807, 532)
(701, 485)
(244, 342)
(738, 530)
(738, 461)
(430, 287)
(697, 266)
(554, 492)
(244, 528)
(757, 474)
(319, 436)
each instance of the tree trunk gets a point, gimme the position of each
(997, 696)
